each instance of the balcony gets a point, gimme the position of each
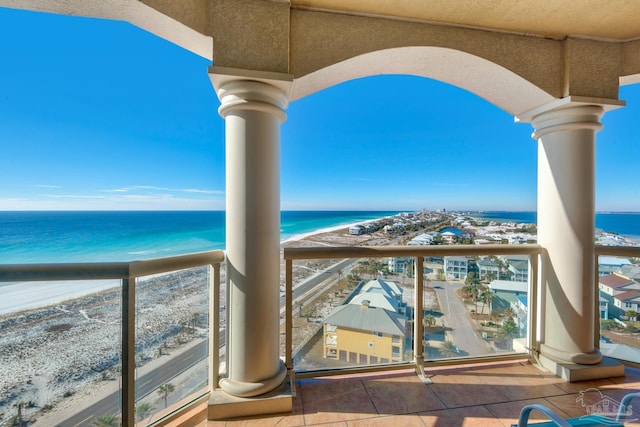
(419, 382)
(487, 394)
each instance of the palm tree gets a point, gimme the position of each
(165, 389)
(509, 313)
(109, 420)
(19, 407)
(495, 316)
(632, 315)
(194, 322)
(509, 329)
(486, 297)
(448, 349)
(143, 410)
(489, 276)
(428, 321)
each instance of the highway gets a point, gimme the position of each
(146, 384)
(312, 282)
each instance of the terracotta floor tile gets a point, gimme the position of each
(335, 400)
(401, 395)
(389, 421)
(508, 412)
(458, 395)
(584, 385)
(474, 416)
(279, 421)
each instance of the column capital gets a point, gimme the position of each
(570, 113)
(251, 90)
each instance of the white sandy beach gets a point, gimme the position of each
(28, 295)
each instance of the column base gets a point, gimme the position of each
(572, 372)
(223, 406)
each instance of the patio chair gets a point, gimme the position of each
(586, 421)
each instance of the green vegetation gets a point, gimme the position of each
(109, 420)
(143, 410)
(165, 390)
(448, 349)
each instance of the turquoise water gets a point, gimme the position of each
(42, 237)
(78, 236)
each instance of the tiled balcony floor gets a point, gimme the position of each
(490, 394)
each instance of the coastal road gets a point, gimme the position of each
(312, 282)
(146, 384)
(462, 332)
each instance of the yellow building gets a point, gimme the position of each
(371, 328)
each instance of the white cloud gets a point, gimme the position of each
(134, 188)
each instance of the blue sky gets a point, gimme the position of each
(101, 115)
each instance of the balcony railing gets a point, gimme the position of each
(414, 312)
(128, 291)
(131, 310)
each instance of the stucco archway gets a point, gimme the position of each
(490, 81)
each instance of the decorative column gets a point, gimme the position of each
(566, 224)
(253, 112)
(566, 132)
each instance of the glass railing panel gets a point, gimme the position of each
(619, 307)
(60, 353)
(475, 306)
(221, 364)
(172, 336)
(345, 314)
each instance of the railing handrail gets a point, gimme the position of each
(408, 251)
(106, 270)
(618, 251)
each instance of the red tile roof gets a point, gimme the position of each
(615, 281)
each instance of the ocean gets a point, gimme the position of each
(110, 236)
(113, 236)
(624, 223)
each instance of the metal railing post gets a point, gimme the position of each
(418, 336)
(128, 396)
(289, 313)
(534, 313)
(214, 326)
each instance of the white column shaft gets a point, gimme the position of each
(253, 113)
(566, 212)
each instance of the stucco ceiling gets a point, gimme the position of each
(611, 19)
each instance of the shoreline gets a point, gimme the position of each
(18, 296)
(332, 229)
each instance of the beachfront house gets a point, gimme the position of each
(621, 294)
(400, 265)
(557, 67)
(513, 294)
(421, 240)
(356, 230)
(456, 267)
(488, 267)
(371, 328)
(603, 307)
(629, 271)
(609, 264)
